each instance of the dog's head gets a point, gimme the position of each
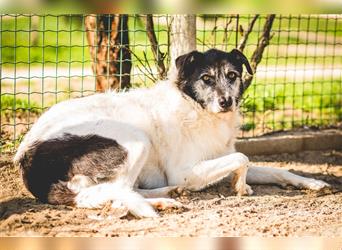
(213, 78)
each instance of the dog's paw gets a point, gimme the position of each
(314, 184)
(175, 191)
(143, 210)
(170, 191)
(90, 198)
(164, 203)
(117, 205)
(249, 190)
(87, 201)
(243, 189)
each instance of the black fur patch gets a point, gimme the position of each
(59, 194)
(48, 165)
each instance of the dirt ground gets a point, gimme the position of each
(271, 211)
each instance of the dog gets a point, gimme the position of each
(132, 148)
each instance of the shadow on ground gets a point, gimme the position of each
(331, 158)
(22, 205)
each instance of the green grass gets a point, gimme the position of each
(61, 39)
(10, 104)
(284, 106)
(65, 45)
(248, 126)
(306, 95)
(70, 43)
(9, 144)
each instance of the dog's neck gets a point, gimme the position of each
(219, 130)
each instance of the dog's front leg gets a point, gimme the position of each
(211, 171)
(268, 175)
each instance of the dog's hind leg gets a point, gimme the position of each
(157, 192)
(268, 175)
(120, 189)
(209, 172)
(96, 196)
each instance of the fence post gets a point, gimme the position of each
(108, 41)
(182, 36)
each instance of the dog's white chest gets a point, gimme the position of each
(198, 137)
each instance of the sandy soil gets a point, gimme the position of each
(271, 211)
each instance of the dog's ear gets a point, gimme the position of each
(237, 54)
(187, 63)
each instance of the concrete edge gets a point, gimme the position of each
(277, 144)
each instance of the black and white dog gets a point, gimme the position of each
(132, 148)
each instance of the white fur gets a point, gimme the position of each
(170, 139)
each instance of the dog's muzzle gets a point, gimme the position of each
(225, 103)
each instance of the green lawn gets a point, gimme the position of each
(283, 106)
(69, 44)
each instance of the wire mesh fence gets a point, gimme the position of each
(45, 59)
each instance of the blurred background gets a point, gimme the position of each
(174, 6)
(45, 59)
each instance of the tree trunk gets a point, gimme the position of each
(182, 36)
(107, 37)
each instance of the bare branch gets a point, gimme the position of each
(263, 41)
(203, 43)
(148, 74)
(225, 33)
(243, 42)
(147, 70)
(158, 55)
(148, 64)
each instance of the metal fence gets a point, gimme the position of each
(45, 59)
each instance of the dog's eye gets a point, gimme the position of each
(207, 79)
(231, 75)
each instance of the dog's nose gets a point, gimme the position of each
(225, 103)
